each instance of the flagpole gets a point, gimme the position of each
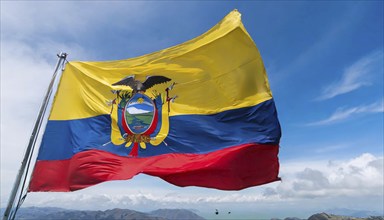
(23, 171)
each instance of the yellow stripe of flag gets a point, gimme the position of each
(217, 71)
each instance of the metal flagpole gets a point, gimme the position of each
(23, 171)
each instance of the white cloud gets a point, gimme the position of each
(355, 76)
(30, 20)
(356, 177)
(342, 114)
(31, 36)
(26, 71)
(25, 75)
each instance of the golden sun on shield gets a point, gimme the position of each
(140, 100)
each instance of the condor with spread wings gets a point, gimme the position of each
(138, 86)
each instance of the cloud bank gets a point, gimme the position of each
(360, 176)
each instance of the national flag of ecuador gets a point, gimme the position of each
(197, 114)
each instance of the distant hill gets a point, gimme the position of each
(175, 214)
(325, 216)
(288, 218)
(36, 213)
(51, 213)
(354, 213)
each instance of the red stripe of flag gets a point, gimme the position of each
(232, 168)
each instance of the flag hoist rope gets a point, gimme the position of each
(21, 178)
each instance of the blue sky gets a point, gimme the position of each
(325, 65)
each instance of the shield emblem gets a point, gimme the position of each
(139, 113)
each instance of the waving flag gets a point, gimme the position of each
(197, 114)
